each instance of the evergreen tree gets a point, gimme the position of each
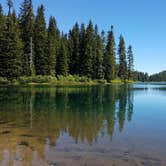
(26, 19)
(110, 59)
(130, 65)
(82, 48)
(53, 38)
(122, 59)
(84, 52)
(88, 56)
(74, 48)
(2, 21)
(62, 58)
(98, 72)
(40, 43)
(11, 48)
(2, 29)
(95, 48)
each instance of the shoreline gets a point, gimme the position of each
(70, 80)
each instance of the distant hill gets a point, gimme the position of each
(158, 77)
(144, 77)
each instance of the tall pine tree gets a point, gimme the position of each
(82, 49)
(130, 65)
(74, 46)
(2, 29)
(26, 19)
(88, 56)
(53, 39)
(110, 59)
(40, 43)
(94, 58)
(11, 48)
(98, 56)
(122, 59)
(2, 21)
(62, 58)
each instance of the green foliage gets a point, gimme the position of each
(3, 80)
(2, 31)
(88, 55)
(82, 48)
(28, 48)
(141, 76)
(62, 59)
(101, 81)
(130, 65)
(158, 77)
(10, 48)
(40, 42)
(109, 62)
(98, 72)
(74, 50)
(122, 59)
(73, 78)
(26, 20)
(37, 79)
(52, 46)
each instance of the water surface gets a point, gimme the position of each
(88, 126)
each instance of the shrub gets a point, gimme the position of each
(37, 79)
(102, 81)
(3, 80)
(72, 78)
(24, 80)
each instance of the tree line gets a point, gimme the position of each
(145, 77)
(159, 77)
(29, 47)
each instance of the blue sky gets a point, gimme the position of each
(141, 22)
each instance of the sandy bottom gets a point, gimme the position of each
(27, 156)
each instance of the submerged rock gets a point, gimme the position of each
(5, 132)
(23, 143)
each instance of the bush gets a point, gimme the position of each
(3, 80)
(72, 78)
(116, 81)
(102, 81)
(37, 79)
(24, 80)
(85, 79)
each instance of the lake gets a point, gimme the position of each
(118, 125)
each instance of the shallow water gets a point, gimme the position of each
(88, 126)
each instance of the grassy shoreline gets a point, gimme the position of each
(59, 80)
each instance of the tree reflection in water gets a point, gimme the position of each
(83, 114)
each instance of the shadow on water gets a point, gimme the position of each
(82, 115)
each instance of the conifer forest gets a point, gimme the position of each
(29, 47)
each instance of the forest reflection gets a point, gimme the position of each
(81, 112)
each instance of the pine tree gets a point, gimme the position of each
(53, 38)
(62, 58)
(130, 65)
(2, 21)
(110, 62)
(2, 29)
(11, 48)
(26, 19)
(82, 49)
(40, 43)
(122, 59)
(98, 72)
(88, 57)
(95, 48)
(74, 47)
